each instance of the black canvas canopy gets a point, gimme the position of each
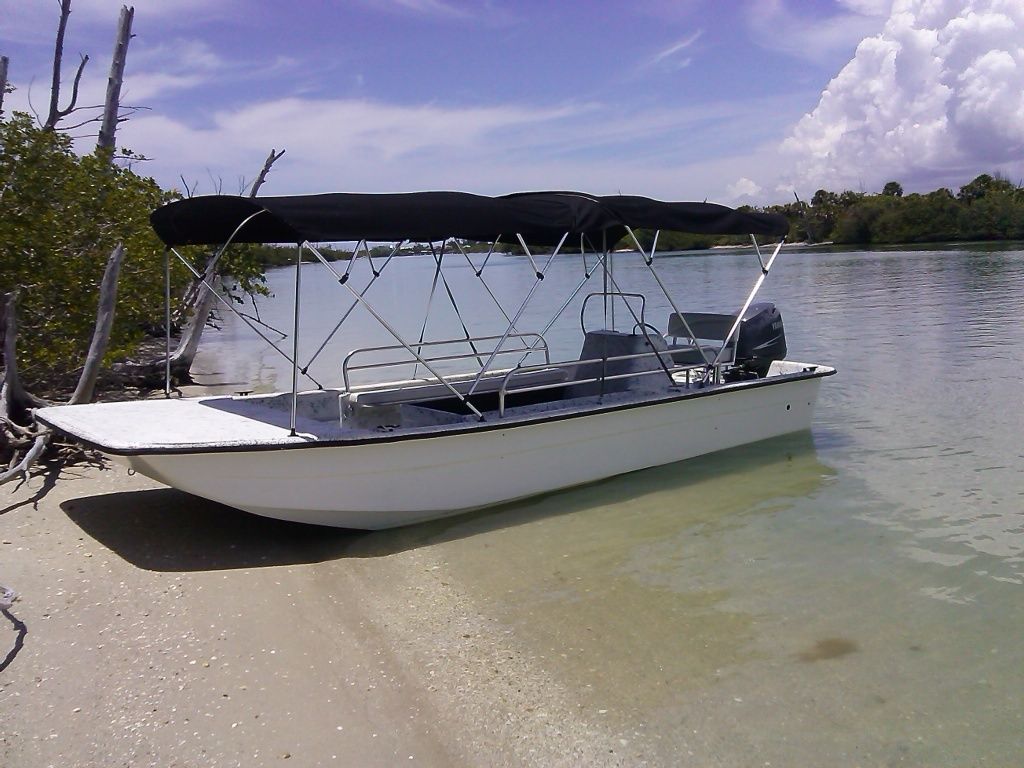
(540, 217)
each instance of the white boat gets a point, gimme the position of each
(481, 419)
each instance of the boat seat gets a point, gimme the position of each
(706, 326)
(424, 392)
(591, 377)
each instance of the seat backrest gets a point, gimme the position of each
(705, 325)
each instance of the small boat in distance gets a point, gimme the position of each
(481, 419)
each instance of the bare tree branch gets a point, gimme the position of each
(58, 55)
(271, 159)
(56, 113)
(189, 191)
(74, 87)
(79, 125)
(21, 468)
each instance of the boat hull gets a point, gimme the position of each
(383, 484)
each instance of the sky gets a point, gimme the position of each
(735, 101)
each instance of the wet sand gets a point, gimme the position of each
(156, 629)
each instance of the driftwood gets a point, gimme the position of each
(101, 333)
(16, 404)
(112, 103)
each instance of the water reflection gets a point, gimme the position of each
(858, 599)
(590, 576)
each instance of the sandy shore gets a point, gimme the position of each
(157, 629)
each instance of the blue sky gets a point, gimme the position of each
(730, 100)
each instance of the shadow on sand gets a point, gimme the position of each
(168, 530)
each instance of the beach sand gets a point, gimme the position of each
(157, 629)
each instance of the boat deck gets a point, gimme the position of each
(262, 421)
(209, 422)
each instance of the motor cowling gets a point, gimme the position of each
(761, 339)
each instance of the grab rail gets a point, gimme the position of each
(539, 345)
(620, 294)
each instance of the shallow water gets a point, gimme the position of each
(849, 596)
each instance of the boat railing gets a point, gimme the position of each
(508, 385)
(622, 296)
(532, 343)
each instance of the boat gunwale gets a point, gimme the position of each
(812, 371)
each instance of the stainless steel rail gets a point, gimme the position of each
(539, 345)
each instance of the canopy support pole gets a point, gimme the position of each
(604, 285)
(480, 277)
(376, 273)
(295, 339)
(586, 276)
(167, 322)
(398, 337)
(455, 306)
(241, 316)
(750, 298)
(430, 302)
(522, 307)
(649, 261)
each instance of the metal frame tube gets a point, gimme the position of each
(480, 277)
(353, 305)
(757, 286)
(241, 316)
(398, 337)
(561, 309)
(664, 290)
(167, 322)
(522, 307)
(295, 338)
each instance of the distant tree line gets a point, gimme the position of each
(986, 208)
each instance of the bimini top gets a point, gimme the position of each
(540, 217)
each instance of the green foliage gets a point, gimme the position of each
(986, 208)
(671, 241)
(62, 216)
(983, 185)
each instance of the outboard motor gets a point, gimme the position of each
(760, 340)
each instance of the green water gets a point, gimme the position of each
(849, 596)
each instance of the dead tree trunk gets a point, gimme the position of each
(4, 61)
(202, 298)
(191, 335)
(56, 113)
(112, 103)
(271, 159)
(101, 333)
(14, 401)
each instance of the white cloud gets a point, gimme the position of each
(742, 188)
(172, 66)
(669, 58)
(362, 145)
(937, 96)
(777, 27)
(432, 8)
(476, 11)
